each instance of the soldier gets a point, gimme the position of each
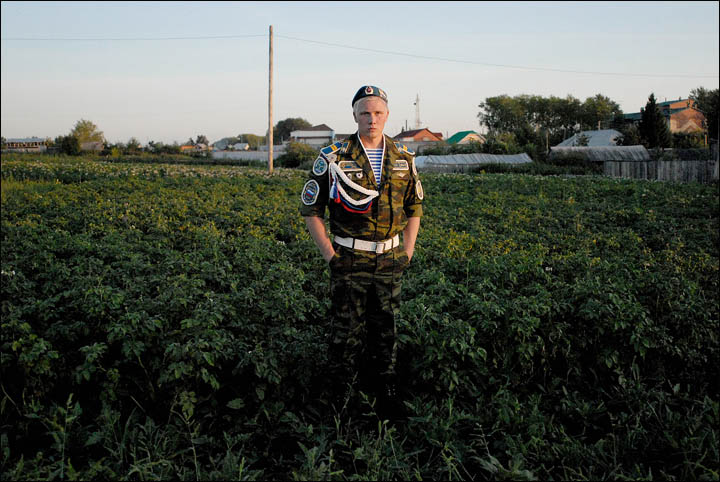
(372, 190)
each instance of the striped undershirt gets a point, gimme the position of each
(375, 157)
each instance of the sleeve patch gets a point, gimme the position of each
(320, 167)
(419, 190)
(310, 192)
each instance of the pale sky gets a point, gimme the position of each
(168, 85)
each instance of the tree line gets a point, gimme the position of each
(532, 123)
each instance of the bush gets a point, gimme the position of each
(297, 155)
(70, 145)
(575, 160)
(692, 140)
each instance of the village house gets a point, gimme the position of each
(27, 144)
(320, 135)
(92, 146)
(682, 116)
(465, 137)
(194, 148)
(419, 135)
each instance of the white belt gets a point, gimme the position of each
(377, 247)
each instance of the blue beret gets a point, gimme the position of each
(367, 91)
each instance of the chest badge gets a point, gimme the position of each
(349, 166)
(400, 165)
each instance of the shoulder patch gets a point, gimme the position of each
(321, 166)
(310, 192)
(419, 190)
(403, 148)
(331, 148)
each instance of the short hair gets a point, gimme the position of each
(357, 104)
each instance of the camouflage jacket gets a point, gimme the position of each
(343, 181)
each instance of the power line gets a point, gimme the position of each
(487, 64)
(103, 39)
(387, 52)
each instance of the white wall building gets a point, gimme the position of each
(320, 135)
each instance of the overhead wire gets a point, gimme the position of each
(102, 39)
(507, 66)
(366, 49)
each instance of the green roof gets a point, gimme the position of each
(454, 139)
(668, 102)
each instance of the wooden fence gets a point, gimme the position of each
(704, 171)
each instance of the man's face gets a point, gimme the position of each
(371, 114)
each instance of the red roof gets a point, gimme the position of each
(415, 132)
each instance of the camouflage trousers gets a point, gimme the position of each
(365, 295)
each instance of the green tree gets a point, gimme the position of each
(253, 141)
(86, 131)
(4, 142)
(598, 112)
(201, 139)
(630, 135)
(133, 145)
(582, 140)
(297, 155)
(654, 130)
(282, 130)
(709, 104)
(69, 145)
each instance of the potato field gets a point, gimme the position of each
(166, 321)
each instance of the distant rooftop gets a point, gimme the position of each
(321, 127)
(459, 136)
(601, 138)
(26, 139)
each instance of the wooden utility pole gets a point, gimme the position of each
(270, 107)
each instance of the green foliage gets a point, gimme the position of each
(161, 148)
(282, 130)
(582, 140)
(86, 131)
(708, 101)
(253, 140)
(533, 115)
(166, 321)
(693, 140)
(630, 135)
(69, 145)
(298, 155)
(654, 130)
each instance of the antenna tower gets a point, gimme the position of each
(417, 112)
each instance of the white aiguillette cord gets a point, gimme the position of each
(371, 194)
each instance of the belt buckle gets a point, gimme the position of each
(379, 248)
